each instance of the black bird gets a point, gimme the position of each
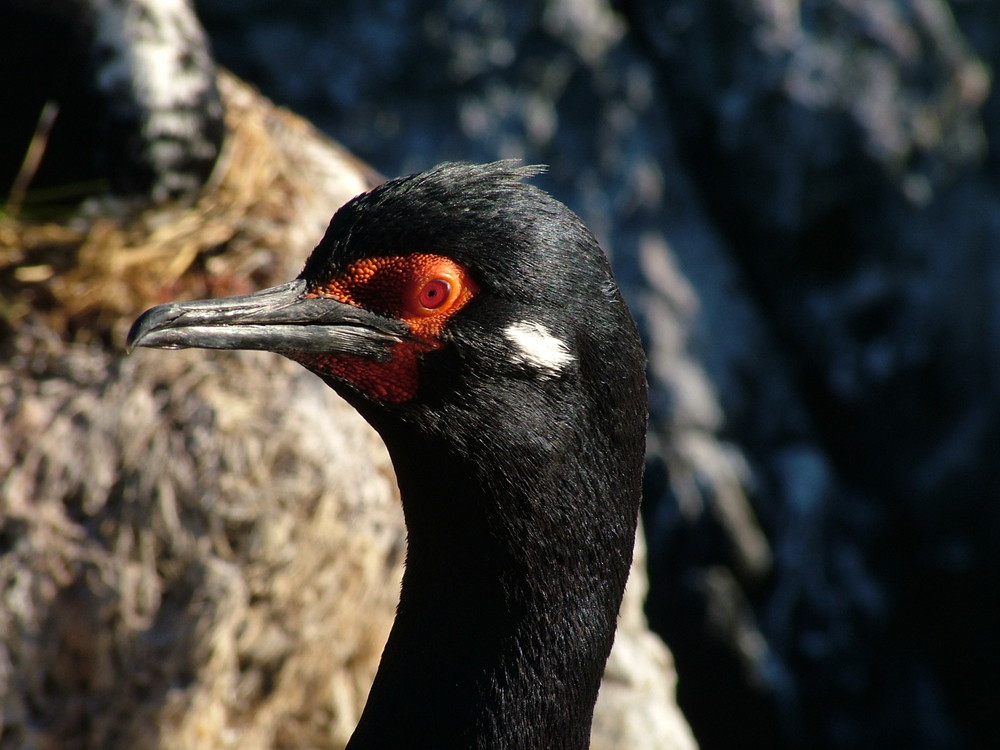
(473, 320)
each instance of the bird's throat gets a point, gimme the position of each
(491, 649)
(464, 669)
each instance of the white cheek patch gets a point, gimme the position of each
(536, 347)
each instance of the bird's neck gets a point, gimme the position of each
(507, 613)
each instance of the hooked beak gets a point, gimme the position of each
(280, 319)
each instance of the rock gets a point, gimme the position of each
(201, 550)
(637, 706)
(105, 96)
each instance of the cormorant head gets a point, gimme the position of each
(461, 285)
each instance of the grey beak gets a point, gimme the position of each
(281, 319)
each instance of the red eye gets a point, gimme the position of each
(420, 289)
(434, 293)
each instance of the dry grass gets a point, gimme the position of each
(113, 258)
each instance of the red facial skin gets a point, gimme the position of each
(422, 290)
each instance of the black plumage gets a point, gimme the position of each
(515, 421)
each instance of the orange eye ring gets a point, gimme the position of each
(420, 289)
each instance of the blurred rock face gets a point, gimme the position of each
(105, 96)
(801, 202)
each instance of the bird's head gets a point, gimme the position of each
(473, 321)
(448, 289)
